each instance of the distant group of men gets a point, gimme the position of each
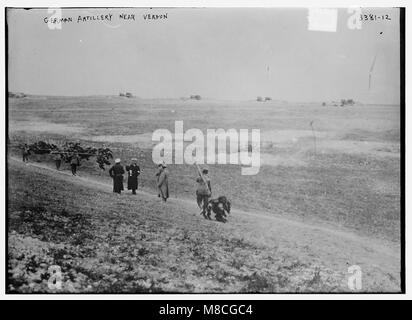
(116, 172)
(203, 191)
(133, 171)
(57, 157)
(74, 161)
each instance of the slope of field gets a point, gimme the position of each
(109, 243)
(327, 196)
(351, 180)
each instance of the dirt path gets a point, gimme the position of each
(334, 248)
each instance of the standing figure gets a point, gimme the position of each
(203, 191)
(74, 163)
(26, 153)
(163, 182)
(57, 160)
(133, 172)
(116, 172)
(158, 172)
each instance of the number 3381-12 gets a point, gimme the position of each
(374, 17)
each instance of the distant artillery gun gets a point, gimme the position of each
(346, 102)
(196, 97)
(69, 149)
(16, 95)
(40, 147)
(127, 95)
(341, 103)
(103, 155)
(260, 99)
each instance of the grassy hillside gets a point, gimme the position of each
(297, 225)
(353, 180)
(109, 243)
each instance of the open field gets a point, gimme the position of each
(296, 226)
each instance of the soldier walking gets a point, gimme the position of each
(25, 153)
(203, 191)
(158, 172)
(116, 172)
(57, 160)
(74, 163)
(163, 182)
(133, 172)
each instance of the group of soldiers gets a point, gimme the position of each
(203, 191)
(57, 157)
(133, 171)
(117, 171)
(74, 161)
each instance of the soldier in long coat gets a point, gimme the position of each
(74, 163)
(158, 172)
(133, 172)
(163, 182)
(57, 160)
(116, 172)
(26, 153)
(203, 191)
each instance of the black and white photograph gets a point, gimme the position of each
(204, 150)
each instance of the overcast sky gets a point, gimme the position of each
(217, 53)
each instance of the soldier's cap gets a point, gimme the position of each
(134, 159)
(117, 160)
